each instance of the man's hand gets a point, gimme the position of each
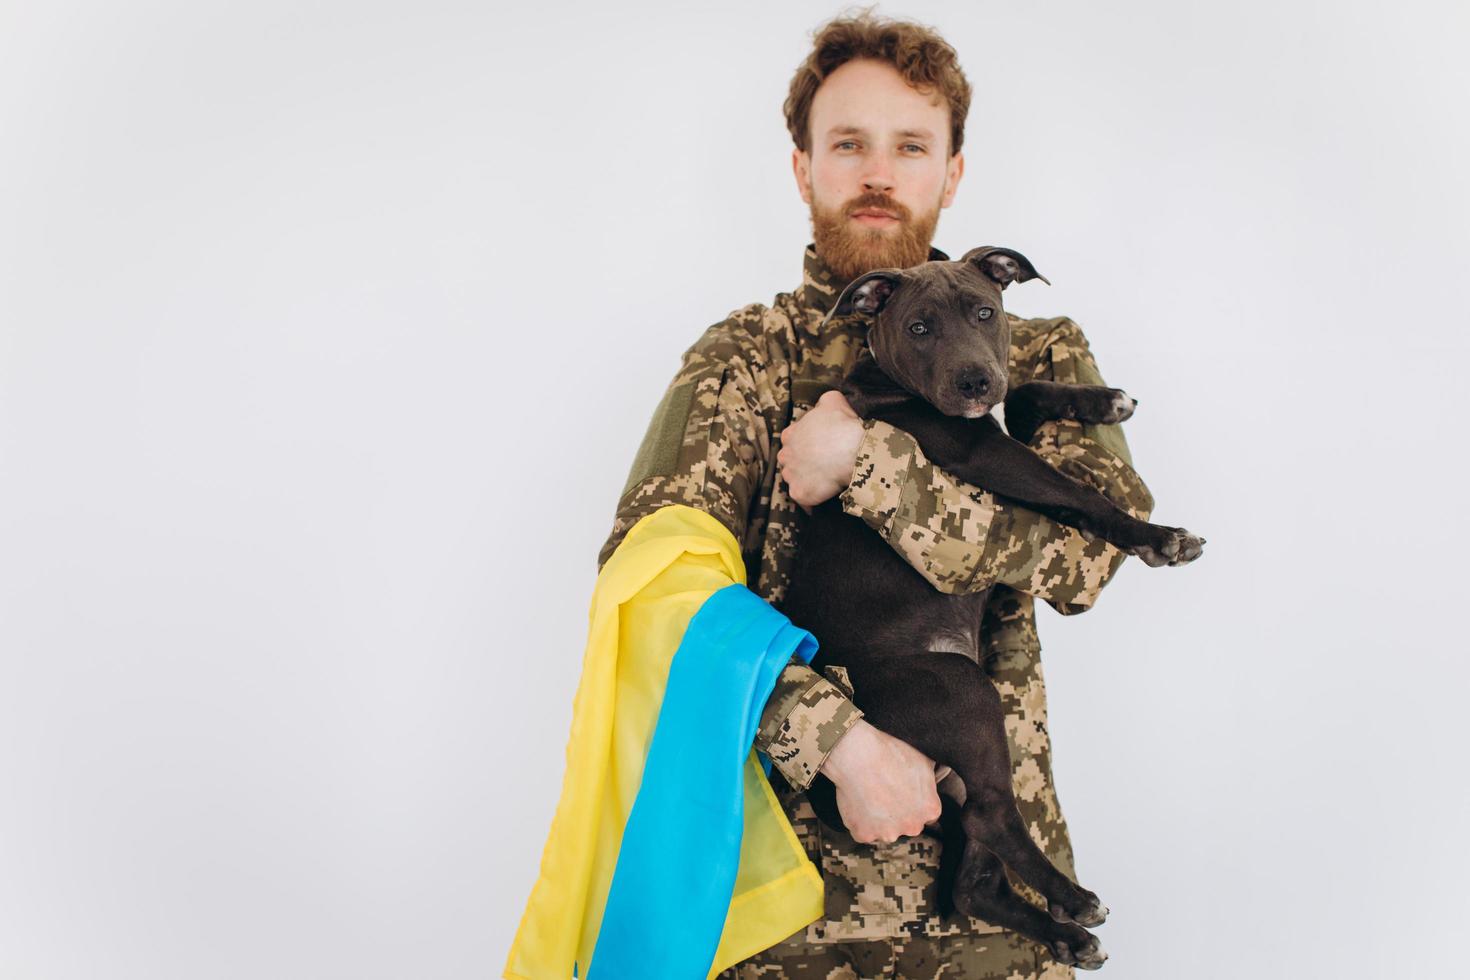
(885, 786)
(818, 450)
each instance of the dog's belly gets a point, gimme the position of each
(861, 600)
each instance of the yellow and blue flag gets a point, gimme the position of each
(669, 857)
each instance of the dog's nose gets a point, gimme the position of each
(973, 384)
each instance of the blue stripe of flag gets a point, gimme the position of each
(675, 873)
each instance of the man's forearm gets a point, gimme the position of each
(803, 720)
(963, 539)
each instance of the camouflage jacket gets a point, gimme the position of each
(712, 444)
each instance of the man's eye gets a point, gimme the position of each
(914, 146)
(845, 143)
(986, 312)
(917, 327)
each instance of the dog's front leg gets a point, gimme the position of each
(1035, 402)
(1004, 466)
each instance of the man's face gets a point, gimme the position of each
(877, 146)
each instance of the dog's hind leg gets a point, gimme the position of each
(982, 891)
(944, 705)
(951, 852)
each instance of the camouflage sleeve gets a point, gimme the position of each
(963, 539)
(709, 440)
(708, 446)
(802, 722)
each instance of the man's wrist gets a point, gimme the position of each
(847, 752)
(861, 492)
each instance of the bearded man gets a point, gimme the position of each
(877, 114)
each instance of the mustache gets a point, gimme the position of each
(879, 201)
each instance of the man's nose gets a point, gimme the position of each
(879, 176)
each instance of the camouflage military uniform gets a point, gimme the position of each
(712, 444)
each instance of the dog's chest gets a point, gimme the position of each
(952, 640)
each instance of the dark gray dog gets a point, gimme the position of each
(936, 365)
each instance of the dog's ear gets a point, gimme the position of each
(868, 293)
(1002, 265)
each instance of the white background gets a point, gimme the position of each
(328, 332)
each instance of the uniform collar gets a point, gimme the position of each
(819, 288)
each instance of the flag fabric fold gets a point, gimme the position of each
(669, 855)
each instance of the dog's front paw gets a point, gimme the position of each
(1191, 546)
(1120, 407)
(1097, 405)
(1172, 546)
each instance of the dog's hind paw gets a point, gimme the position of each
(1090, 956)
(1095, 913)
(1175, 546)
(1086, 955)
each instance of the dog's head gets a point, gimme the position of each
(940, 330)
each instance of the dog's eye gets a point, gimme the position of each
(985, 312)
(918, 327)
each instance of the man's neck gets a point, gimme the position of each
(820, 287)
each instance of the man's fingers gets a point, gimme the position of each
(833, 398)
(887, 835)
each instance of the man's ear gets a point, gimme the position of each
(953, 173)
(1002, 265)
(868, 293)
(801, 167)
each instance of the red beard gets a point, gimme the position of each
(849, 249)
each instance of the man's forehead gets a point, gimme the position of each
(866, 92)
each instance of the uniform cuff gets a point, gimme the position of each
(820, 715)
(875, 487)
